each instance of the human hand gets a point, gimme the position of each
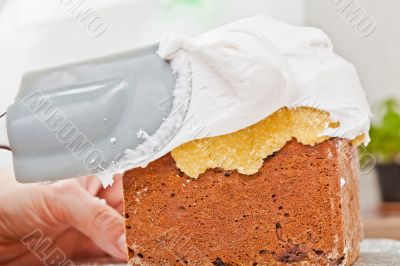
(69, 216)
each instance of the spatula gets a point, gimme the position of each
(74, 120)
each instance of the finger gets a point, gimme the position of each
(26, 258)
(90, 216)
(120, 208)
(92, 184)
(85, 249)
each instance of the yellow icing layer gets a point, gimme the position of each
(245, 150)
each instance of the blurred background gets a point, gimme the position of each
(44, 33)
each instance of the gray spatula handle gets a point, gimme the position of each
(78, 119)
(4, 143)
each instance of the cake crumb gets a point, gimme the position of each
(245, 150)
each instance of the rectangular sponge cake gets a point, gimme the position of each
(301, 208)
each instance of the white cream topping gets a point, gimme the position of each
(243, 72)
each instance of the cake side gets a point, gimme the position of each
(295, 209)
(350, 202)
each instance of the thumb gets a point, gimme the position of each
(92, 217)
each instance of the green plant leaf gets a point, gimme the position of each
(385, 137)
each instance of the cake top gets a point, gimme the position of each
(237, 75)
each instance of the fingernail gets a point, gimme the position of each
(122, 246)
(102, 201)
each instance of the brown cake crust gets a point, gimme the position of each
(300, 208)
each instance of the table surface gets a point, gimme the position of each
(383, 252)
(374, 252)
(383, 221)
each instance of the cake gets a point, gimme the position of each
(260, 166)
(301, 206)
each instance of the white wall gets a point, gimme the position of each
(377, 57)
(42, 33)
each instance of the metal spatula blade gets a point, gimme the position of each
(75, 120)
